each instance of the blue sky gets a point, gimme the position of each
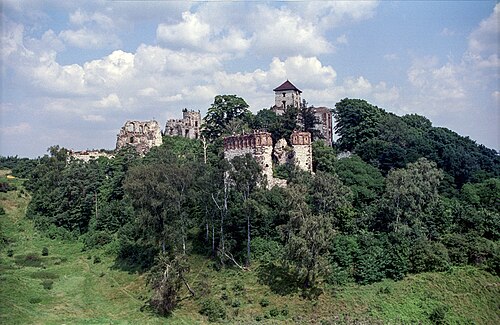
(73, 72)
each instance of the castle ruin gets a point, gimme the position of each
(287, 95)
(187, 127)
(142, 135)
(260, 145)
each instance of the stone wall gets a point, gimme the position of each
(88, 155)
(187, 127)
(143, 135)
(302, 150)
(283, 99)
(260, 146)
(324, 117)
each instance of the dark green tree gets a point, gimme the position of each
(227, 111)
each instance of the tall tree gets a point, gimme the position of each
(227, 111)
(411, 192)
(246, 176)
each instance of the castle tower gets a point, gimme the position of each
(187, 127)
(286, 95)
(301, 143)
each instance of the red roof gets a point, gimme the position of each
(287, 85)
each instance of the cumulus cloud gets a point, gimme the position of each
(193, 33)
(281, 31)
(93, 31)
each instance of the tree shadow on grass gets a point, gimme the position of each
(279, 278)
(135, 258)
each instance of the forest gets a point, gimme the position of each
(394, 196)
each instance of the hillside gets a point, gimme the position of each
(398, 222)
(68, 286)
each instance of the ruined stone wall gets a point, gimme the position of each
(143, 135)
(88, 155)
(258, 144)
(301, 144)
(324, 117)
(188, 127)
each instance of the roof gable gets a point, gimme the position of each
(287, 85)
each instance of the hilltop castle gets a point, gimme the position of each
(143, 135)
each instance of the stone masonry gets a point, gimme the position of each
(260, 145)
(143, 135)
(187, 127)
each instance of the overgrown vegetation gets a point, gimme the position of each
(407, 199)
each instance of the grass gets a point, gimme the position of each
(67, 287)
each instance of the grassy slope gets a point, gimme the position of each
(95, 293)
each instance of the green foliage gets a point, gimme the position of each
(213, 309)
(226, 115)
(166, 279)
(427, 256)
(45, 251)
(264, 302)
(47, 284)
(265, 250)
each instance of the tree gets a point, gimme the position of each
(226, 111)
(357, 122)
(166, 279)
(306, 236)
(246, 176)
(411, 192)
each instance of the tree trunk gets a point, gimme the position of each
(248, 240)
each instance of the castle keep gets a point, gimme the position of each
(187, 127)
(143, 135)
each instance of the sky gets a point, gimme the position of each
(73, 72)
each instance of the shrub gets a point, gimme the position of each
(274, 312)
(10, 253)
(45, 251)
(264, 302)
(438, 315)
(238, 288)
(429, 256)
(32, 260)
(265, 250)
(236, 303)
(96, 239)
(97, 259)
(213, 309)
(47, 284)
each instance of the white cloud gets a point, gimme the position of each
(93, 31)
(342, 39)
(190, 32)
(93, 118)
(280, 31)
(21, 128)
(111, 101)
(391, 57)
(485, 37)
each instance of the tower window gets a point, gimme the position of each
(284, 94)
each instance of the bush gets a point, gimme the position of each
(238, 288)
(438, 315)
(213, 309)
(265, 250)
(429, 256)
(264, 302)
(96, 239)
(10, 253)
(97, 259)
(274, 312)
(47, 284)
(45, 251)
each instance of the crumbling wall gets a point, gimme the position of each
(88, 155)
(142, 135)
(187, 127)
(260, 146)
